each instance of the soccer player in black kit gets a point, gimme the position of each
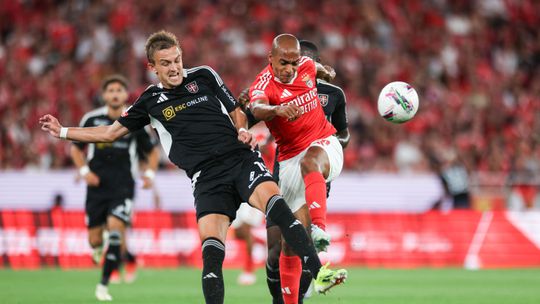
(333, 102)
(202, 129)
(108, 170)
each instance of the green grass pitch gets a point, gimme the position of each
(380, 286)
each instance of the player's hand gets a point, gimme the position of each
(331, 73)
(243, 98)
(91, 179)
(50, 124)
(247, 138)
(290, 112)
(148, 182)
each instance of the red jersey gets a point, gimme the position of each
(293, 137)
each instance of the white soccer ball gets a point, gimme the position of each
(398, 102)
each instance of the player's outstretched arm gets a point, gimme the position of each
(262, 110)
(109, 133)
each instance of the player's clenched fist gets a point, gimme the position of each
(50, 124)
(246, 137)
(290, 112)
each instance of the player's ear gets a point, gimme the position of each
(152, 67)
(270, 57)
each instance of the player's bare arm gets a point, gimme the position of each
(344, 137)
(79, 159)
(262, 110)
(109, 133)
(240, 122)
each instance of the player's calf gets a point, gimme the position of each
(112, 256)
(213, 253)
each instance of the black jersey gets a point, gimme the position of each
(115, 163)
(333, 101)
(192, 119)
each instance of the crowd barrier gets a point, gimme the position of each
(33, 239)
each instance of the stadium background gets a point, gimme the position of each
(475, 65)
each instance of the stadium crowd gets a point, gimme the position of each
(475, 65)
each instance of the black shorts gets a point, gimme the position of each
(98, 209)
(222, 187)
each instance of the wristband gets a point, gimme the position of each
(242, 130)
(83, 170)
(63, 133)
(149, 173)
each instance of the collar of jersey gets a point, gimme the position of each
(184, 74)
(277, 79)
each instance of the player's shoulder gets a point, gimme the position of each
(304, 60)
(203, 71)
(96, 113)
(262, 80)
(329, 88)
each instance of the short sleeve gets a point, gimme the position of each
(257, 90)
(136, 116)
(339, 117)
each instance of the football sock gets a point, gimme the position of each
(290, 272)
(305, 280)
(274, 283)
(294, 233)
(248, 266)
(213, 253)
(316, 198)
(112, 256)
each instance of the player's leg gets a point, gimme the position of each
(243, 232)
(322, 162)
(290, 264)
(113, 255)
(95, 239)
(273, 280)
(213, 231)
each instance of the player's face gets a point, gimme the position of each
(168, 67)
(115, 95)
(285, 64)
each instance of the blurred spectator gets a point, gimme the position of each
(475, 65)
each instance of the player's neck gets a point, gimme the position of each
(115, 113)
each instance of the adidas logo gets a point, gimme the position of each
(286, 290)
(162, 98)
(314, 205)
(296, 222)
(211, 275)
(286, 94)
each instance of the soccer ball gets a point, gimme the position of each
(398, 102)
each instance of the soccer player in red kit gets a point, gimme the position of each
(284, 95)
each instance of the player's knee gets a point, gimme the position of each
(95, 240)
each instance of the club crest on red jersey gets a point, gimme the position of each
(324, 99)
(307, 80)
(192, 87)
